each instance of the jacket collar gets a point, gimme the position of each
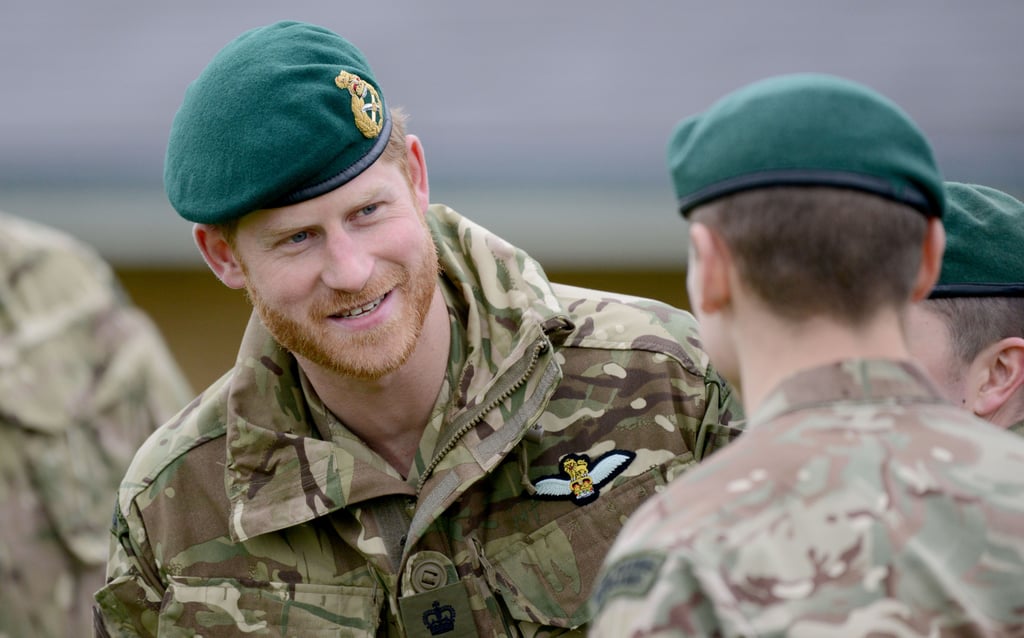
(850, 381)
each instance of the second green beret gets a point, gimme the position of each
(804, 130)
(984, 244)
(282, 114)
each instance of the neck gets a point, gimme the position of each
(770, 349)
(1008, 415)
(389, 414)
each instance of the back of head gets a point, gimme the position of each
(282, 114)
(820, 186)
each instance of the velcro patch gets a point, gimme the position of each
(632, 576)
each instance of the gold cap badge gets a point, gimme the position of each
(366, 104)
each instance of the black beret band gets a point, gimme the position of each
(947, 291)
(839, 179)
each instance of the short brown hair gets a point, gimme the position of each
(394, 152)
(811, 251)
(974, 323)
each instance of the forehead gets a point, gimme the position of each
(382, 180)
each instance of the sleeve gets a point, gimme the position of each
(723, 419)
(129, 604)
(141, 368)
(134, 385)
(651, 593)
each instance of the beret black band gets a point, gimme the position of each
(839, 179)
(947, 291)
(344, 176)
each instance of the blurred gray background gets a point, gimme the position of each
(545, 121)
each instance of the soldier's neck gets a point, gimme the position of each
(770, 349)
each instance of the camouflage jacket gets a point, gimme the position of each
(255, 510)
(858, 503)
(84, 379)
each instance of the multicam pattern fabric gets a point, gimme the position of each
(858, 503)
(84, 378)
(254, 510)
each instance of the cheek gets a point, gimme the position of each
(934, 356)
(282, 284)
(929, 344)
(411, 246)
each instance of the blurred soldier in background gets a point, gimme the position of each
(84, 378)
(859, 501)
(422, 434)
(969, 333)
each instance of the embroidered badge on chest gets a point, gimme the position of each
(581, 478)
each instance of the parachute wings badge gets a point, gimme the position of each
(581, 479)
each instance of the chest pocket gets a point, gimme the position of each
(547, 577)
(227, 607)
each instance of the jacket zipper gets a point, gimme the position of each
(539, 349)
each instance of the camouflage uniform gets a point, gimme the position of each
(256, 510)
(858, 503)
(1017, 428)
(84, 378)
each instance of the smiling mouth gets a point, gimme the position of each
(361, 310)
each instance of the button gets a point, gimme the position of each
(428, 575)
(534, 434)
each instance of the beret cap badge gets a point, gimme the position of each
(366, 104)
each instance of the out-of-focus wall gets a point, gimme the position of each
(203, 320)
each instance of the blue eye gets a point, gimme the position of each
(369, 210)
(299, 237)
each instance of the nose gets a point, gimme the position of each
(347, 263)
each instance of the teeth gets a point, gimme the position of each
(362, 309)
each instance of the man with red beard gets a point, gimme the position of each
(422, 435)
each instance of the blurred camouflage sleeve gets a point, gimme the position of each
(644, 595)
(723, 417)
(85, 377)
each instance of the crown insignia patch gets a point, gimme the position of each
(439, 619)
(581, 479)
(366, 105)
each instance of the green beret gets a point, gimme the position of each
(804, 130)
(282, 114)
(984, 244)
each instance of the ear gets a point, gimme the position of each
(418, 171)
(931, 259)
(218, 255)
(709, 262)
(1001, 374)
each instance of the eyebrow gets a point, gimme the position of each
(284, 227)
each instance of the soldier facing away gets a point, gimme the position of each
(85, 377)
(859, 501)
(969, 332)
(422, 434)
